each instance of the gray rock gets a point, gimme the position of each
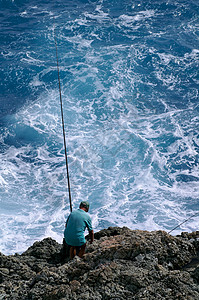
(120, 264)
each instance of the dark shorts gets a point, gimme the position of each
(66, 248)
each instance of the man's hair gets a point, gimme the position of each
(84, 204)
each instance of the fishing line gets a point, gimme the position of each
(183, 222)
(63, 127)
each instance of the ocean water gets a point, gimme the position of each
(129, 81)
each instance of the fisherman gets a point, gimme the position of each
(75, 226)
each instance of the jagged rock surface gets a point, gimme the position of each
(120, 264)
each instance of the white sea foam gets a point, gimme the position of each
(31, 60)
(128, 21)
(110, 187)
(98, 15)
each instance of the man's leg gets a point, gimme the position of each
(82, 250)
(72, 252)
(65, 250)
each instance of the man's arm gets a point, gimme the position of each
(67, 221)
(91, 235)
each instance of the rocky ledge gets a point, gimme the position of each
(120, 264)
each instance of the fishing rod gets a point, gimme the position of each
(63, 127)
(183, 222)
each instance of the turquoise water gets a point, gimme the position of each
(129, 80)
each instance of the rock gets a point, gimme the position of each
(120, 264)
(48, 249)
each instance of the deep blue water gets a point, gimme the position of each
(129, 79)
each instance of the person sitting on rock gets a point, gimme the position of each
(75, 226)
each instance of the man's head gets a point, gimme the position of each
(84, 205)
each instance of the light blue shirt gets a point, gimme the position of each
(76, 224)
